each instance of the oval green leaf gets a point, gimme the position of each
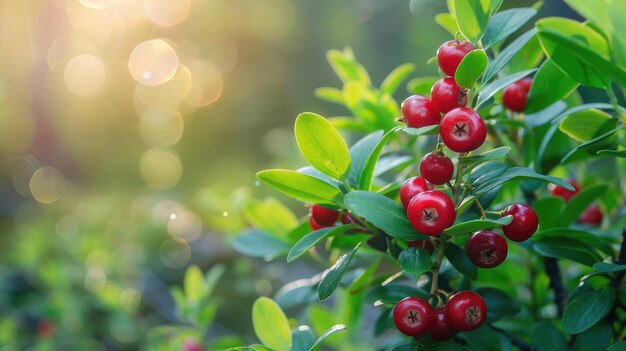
(415, 261)
(332, 276)
(301, 186)
(271, 325)
(500, 62)
(488, 91)
(550, 85)
(505, 23)
(309, 240)
(472, 18)
(587, 309)
(471, 68)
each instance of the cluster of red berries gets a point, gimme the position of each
(465, 311)
(592, 216)
(323, 217)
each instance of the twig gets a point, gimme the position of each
(621, 259)
(523, 346)
(551, 266)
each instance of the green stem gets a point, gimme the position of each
(441, 247)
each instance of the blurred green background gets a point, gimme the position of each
(131, 132)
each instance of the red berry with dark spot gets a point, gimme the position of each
(413, 316)
(451, 53)
(314, 225)
(425, 244)
(515, 95)
(524, 224)
(446, 95)
(436, 168)
(412, 187)
(419, 111)
(564, 193)
(431, 212)
(592, 216)
(192, 345)
(463, 130)
(323, 216)
(465, 311)
(486, 249)
(440, 330)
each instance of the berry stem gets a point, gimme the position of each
(441, 247)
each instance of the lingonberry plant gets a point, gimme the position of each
(497, 146)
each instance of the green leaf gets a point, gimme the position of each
(364, 279)
(591, 143)
(465, 205)
(415, 261)
(516, 173)
(596, 11)
(550, 85)
(332, 276)
(605, 267)
(330, 94)
(301, 186)
(473, 21)
(547, 337)
(614, 153)
(396, 77)
(487, 91)
(311, 239)
(565, 247)
(334, 329)
(347, 69)
(496, 153)
(530, 56)
(382, 212)
(505, 23)
(271, 216)
(476, 225)
(322, 145)
(303, 338)
(428, 130)
(580, 202)
(367, 174)
(587, 309)
(500, 62)
(591, 240)
(596, 338)
(620, 346)
(348, 123)
(499, 304)
(360, 152)
(194, 280)
(471, 68)
(422, 85)
(447, 22)
(459, 260)
(548, 210)
(271, 325)
(258, 244)
(584, 125)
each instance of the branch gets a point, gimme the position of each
(523, 346)
(551, 266)
(621, 259)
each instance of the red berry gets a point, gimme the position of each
(412, 187)
(314, 225)
(515, 95)
(465, 311)
(418, 111)
(562, 192)
(412, 316)
(191, 345)
(524, 224)
(436, 168)
(45, 329)
(462, 130)
(346, 219)
(486, 249)
(431, 212)
(451, 53)
(440, 330)
(425, 244)
(324, 216)
(592, 216)
(446, 95)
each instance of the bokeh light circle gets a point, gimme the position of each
(96, 4)
(175, 252)
(85, 75)
(153, 62)
(206, 83)
(170, 93)
(166, 13)
(161, 168)
(161, 127)
(47, 185)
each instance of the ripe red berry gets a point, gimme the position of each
(465, 311)
(418, 111)
(436, 168)
(562, 192)
(412, 187)
(524, 224)
(592, 216)
(440, 330)
(462, 130)
(515, 95)
(324, 216)
(431, 212)
(314, 225)
(346, 219)
(426, 244)
(45, 329)
(191, 345)
(486, 249)
(413, 316)
(446, 95)
(451, 53)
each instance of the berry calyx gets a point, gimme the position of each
(323, 216)
(451, 53)
(446, 95)
(515, 95)
(425, 244)
(524, 224)
(436, 168)
(419, 111)
(465, 311)
(440, 330)
(486, 249)
(412, 187)
(592, 216)
(463, 130)
(431, 212)
(562, 192)
(412, 316)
